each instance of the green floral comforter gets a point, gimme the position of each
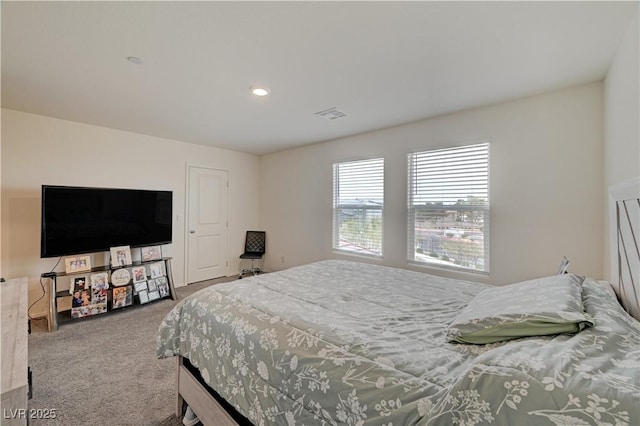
(337, 342)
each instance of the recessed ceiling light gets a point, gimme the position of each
(134, 60)
(259, 90)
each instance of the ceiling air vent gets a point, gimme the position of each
(331, 113)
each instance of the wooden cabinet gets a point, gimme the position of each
(56, 317)
(14, 353)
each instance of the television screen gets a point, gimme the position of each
(78, 220)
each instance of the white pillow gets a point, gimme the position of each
(544, 306)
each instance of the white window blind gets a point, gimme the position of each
(448, 223)
(358, 202)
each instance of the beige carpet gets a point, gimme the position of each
(103, 370)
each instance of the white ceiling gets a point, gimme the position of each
(382, 63)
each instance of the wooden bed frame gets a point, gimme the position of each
(191, 391)
(624, 236)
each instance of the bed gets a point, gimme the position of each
(340, 342)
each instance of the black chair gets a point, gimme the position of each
(254, 248)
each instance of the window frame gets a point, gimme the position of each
(412, 210)
(338, 207)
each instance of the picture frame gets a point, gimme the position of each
(98, 308)
(163, 288)
(156, 270)
(150, 253)
(143, 296)
(122, 296)
(99, 286)
(152, 285)
(154, 295)
(81, 298)
(141, 286)
(77, 264)
(80, 311)
(139, 274)
(121, 256)
(120, 277)
(100, 281)
(78, 284)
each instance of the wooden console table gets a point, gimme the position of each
(14, 353)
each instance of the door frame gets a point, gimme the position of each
(185, 229)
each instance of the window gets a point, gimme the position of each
(358, 201)
(448, 199)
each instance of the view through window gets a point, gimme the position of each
(449, 207)
(358, 201)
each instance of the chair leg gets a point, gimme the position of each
(254, 270)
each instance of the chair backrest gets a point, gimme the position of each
(255, 242)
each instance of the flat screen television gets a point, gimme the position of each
(78, 220)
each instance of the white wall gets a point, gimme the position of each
(545, 182)
(1, 271)
(622, 112)
(39, 150)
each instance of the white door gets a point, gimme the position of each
(207, 224)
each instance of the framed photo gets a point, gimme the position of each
(163, 288)
(153, 295)
(86, 311)
(156, 270)
(81, 298)
(120, 256)
(122, 296)
(139, 274)
(141, 286)
(99, 286)
(80, 311)
(78, 284)
(150, 253)
(143, 296)
(77, 264)
(120, 277)
(98, 308)
(100, 281)
(152, 285)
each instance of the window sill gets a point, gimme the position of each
(458, 269)
(357, 254)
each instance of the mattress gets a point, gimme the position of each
(339, 342)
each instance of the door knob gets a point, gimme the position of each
(192, 232)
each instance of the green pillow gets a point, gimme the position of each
(540, 307)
